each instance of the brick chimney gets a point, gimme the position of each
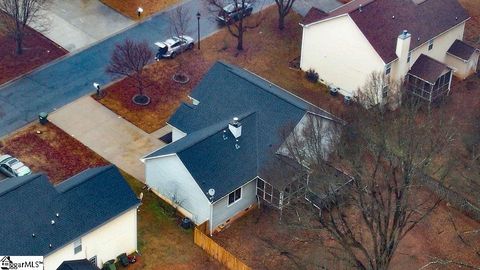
(235, 128)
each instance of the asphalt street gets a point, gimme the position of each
(72, 76)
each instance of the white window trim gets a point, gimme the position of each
(234, 202)
(77, 243)
(430, 43)
(389, 68)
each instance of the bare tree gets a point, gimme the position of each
(129, 59)
(387, 154)
(16, 14)
(284, 8)
(180, 18)
(236, 25)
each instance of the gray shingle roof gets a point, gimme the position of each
(461, 50)
(381, 21)
(29, 204)
(225, 92)
(428, 69)
(77, 265)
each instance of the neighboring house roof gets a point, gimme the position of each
(83, 202)
(461, 50)
(77, 265)
(263, 110)
(428, 69)
(381, 21)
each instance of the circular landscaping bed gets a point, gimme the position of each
(180, 77)
(141, 100)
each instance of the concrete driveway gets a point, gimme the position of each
(75, 24)
(110, 136)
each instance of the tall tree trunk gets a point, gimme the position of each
(281, 21)
(19, 42)
(240, 35)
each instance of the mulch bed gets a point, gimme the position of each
(261, 53)
(53, 151)
(38, 50)
(129, 7)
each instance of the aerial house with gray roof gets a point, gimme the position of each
(92, 215)
(216, 168)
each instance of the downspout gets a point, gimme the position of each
(210, 223)
(450, 82)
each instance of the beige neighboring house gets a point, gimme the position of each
(416, 40)
(92, 215)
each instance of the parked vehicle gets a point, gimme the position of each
(173, 46)
(13, 167)
(233, 12)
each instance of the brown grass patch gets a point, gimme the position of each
(53, 151)
(162, 243)
(38, 50)
(472, 29)
(129, 7)
(268, 52)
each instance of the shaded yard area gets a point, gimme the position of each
(129, 7)
(472, 29)
(268, 53)
(38, 50)
(52, 151)
(162, 243)
(262, 241)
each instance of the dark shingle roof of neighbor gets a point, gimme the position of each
(77, 265)
(85, 201)
(461, 50)
(381, 21)
(225, 92)
(428, 69)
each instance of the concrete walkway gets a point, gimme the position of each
(109, 135)
(76, 24)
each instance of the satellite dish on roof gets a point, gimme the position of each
(211, 192)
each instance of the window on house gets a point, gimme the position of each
(234, 196)
(430, 44)
(409, 57)
(385, 91)
(388, 68)
(77, 246)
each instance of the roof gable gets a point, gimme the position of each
(381, 21)
(226, 92)
(428, 69)
(97, 196)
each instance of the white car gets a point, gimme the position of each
(173, 47)
(13, 167)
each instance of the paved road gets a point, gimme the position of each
(75, 24)
(71, 77)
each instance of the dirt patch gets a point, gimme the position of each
(129, 7)
(52, 151)
(162, 243)
(262, 241)
(472, 29)
(38, 50)
(262, 52)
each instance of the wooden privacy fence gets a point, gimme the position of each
(218, 252)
